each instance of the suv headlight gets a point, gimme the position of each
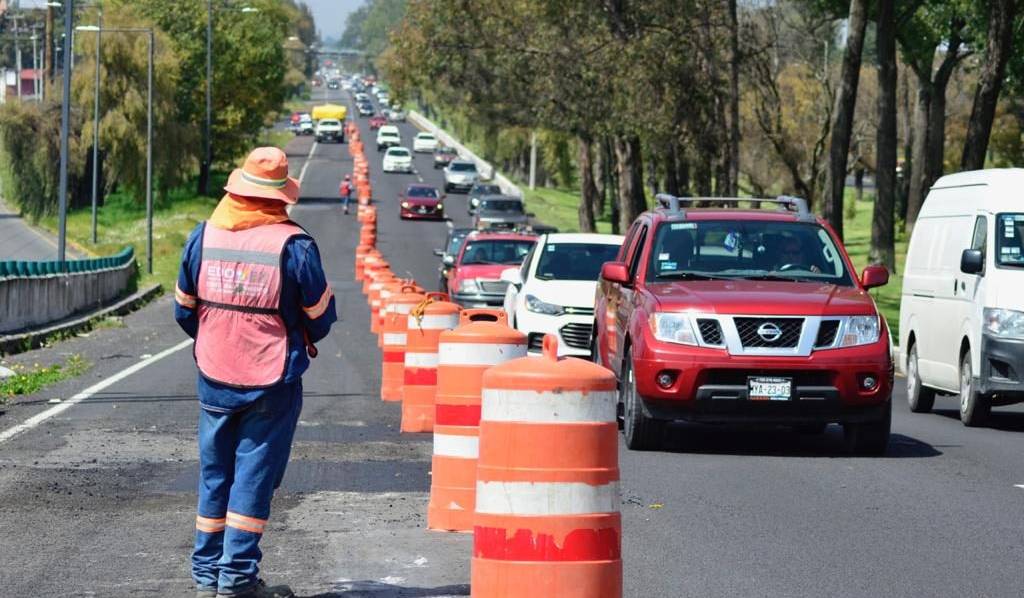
(541, 307)
(469, 286)
(1007, 323)
(673, 328)
(860, 330)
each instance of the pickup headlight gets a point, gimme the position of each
(440, 206)
(541, 307)
(405, 205)
(469, 286)
(860, 330)
(673, 328)
(1007, 323)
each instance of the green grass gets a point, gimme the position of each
(29, 380)
(121, 221)
(558, 207)
(274, 138)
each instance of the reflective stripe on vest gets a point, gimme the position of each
(242, 339)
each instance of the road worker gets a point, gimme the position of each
(253, 294)
(345, 190)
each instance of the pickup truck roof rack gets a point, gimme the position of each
(673, 204)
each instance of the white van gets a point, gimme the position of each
(962, 306)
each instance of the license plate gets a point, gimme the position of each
(769, 388)
(423, 210)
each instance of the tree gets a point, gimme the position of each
(1001, 19)
(842, 124)
(882, 249)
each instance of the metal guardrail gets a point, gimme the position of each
(29, 269)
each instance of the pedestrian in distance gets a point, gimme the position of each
(345, 190)
(252, 293)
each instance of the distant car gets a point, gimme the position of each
(479, 190)
(397, 159)
(361, 97)
(475, 277)
(443, 156)
(295, 118)
(387, 136)
(424, 142)
(500, 212)
(383, 97)
(305, 126)
(333, 84)
(553, 291)
(460, 175)
(365, 108)
(377, 121)
(329, 129)
(421, 201)
(396, 115)
(448, 254)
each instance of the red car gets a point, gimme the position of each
(725, 315)
(421, 201)
(377, 121)
(296, 117)
(475, 276)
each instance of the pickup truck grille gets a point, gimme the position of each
(827, 333)
(789, 329)
(577, 335)
(710, 331)
(493, 287)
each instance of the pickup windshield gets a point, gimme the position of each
(330, 123)
(507, 252)
(746, 249)
(1010, 240)
(511, 206)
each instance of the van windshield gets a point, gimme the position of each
(753, 250)
(1010, 240)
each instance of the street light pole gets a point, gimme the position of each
(96, 130)
(204, 171)
(149, 160)
(65, 116)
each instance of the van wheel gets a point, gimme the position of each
(869, 438)
(974, 406)
(921, 399)
(642, 432)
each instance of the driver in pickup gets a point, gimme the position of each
(791, 254)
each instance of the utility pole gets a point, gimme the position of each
(17, 53)
(149, 158)
(35, 65)
(48, 46)
(65, 116)
(96, 129)
(206, 163)
(533, 160)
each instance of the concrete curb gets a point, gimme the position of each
(33, 339)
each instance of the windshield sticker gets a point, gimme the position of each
(683, 226)
(666, 266)
(731, 241)
(551, 247)
(663, 256)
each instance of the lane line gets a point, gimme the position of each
(41, 417)
(305, 165)
(1021, 486)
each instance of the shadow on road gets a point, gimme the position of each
(379, 589)
(779, 442)
(1007, 421)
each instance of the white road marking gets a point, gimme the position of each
(1021, 486)
(41, 417)
(305, 165)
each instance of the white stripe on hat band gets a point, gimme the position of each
(434, 322)
(275, 183)
(563, 407)
(420, 360)
(479, 353)
(393, 338)
(450, 445)
(546, 498)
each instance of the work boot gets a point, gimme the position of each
(261, 590)
(206, 592)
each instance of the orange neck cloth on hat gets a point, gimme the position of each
(235, 212)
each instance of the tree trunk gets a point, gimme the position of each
(842, 124)
(612, 178)
(1001, 18)
(588, 191)
(631, 184)
(682, 172)
(918, 157)
(734, 101)
(671, 159)
(903, 180)
(600, 178)
(882, 249)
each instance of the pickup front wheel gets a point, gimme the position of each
(642, 432)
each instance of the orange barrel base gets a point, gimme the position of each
(392, 374)
(417, 410)
(579, 579)
(452, 493)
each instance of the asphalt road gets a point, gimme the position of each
(19, 241)
(98, 501)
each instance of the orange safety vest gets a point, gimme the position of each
(242, 339)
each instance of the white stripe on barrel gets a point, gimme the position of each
(434, 321)
(546, 498)
(420, 360)
(394, 338)
(452, 445)
(400, 308)
(563, 407)
(478, 353)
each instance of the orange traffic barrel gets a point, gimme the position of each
(425, 324)
(547, 517)
(373, 265)
(368, 236)
(361, 252)
(483, 339)
(378, 299)
(393, 338)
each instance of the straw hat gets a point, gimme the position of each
(265, 175)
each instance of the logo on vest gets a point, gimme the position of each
(236, 280)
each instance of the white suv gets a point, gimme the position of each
(397, 159)
(387, 136)
(553, 291)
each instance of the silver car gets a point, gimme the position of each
(460, 175)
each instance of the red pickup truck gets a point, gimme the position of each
(727, 315)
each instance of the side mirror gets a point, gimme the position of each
(972, 261)
(616, 272)
(449, 260)
(439, 252)
(511, 276)
(531, 214)
(874, 276)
